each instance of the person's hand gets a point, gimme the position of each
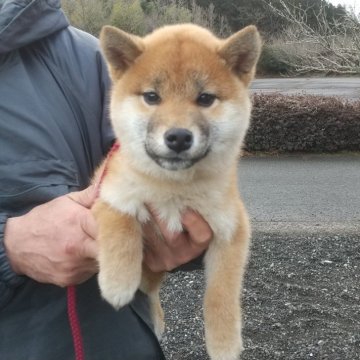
(55, 242)
(168, 251)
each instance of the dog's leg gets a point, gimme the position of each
(150, 284)
(120, 254)
(225, 264)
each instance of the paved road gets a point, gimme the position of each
(319, 192)
(349, 88)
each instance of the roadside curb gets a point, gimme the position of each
(296, 228)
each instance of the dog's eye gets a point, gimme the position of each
(151, 98)
(205, 99)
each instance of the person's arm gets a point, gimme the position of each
(54, 242)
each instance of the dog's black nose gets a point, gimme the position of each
(178, 139)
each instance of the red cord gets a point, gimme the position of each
(112, 151)
(71, 290)
(75, 323)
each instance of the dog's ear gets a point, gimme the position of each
(241, 52)
(120, 49)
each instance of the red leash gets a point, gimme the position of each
(112, 151)
(75, 323)
(71, 290)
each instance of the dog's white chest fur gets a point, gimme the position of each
(131, 194)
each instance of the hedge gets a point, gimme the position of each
(303, 123)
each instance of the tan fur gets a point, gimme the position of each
(179, 63)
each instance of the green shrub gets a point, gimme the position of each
(129, 16)
(88, 15)
(274, 60)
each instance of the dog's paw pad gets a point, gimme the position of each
(118, 299)
(116, 294)
(229, 352)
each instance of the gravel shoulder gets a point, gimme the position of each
(301, 295)
(301, 301)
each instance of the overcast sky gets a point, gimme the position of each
(348, 3)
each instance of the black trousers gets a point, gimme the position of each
(34, 326)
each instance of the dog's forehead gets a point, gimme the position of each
(178, 79)
(176, 62)
(186, 34)
(181, 53)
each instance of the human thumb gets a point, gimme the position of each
(85, 197)
(90, 249)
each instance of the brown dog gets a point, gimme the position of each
(180, 110)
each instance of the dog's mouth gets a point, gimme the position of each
(177, 148)
(175, 162)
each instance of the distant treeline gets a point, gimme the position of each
(240, 13)
(300, 36)
(143, 15)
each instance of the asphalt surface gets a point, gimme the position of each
(348, 87)
(317, 192)
(302, 288)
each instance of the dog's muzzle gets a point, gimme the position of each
(177, 150)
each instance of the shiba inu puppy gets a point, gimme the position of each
(180, 110)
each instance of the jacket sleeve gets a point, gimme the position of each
(8, 279)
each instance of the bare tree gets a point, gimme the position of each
(330, 47)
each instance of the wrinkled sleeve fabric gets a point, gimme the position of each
(8, 279)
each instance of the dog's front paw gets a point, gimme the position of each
(223, 340)
(225, 349)
(117, 292)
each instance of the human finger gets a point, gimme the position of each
(89, 249)
(85, 197)
(199, 230)
(88, 224)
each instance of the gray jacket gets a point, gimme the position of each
(53, 133)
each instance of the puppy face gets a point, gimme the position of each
(179, 97)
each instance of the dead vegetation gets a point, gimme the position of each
(303, 123)
(331, 47)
